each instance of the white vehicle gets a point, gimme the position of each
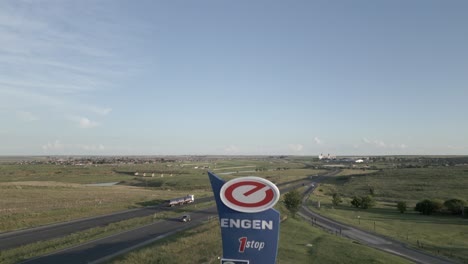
(185, 218)
(181, 200)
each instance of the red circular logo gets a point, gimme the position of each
(249, 194)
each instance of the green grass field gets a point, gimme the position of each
(30, 204)
(60, 173)
(410, 184)
(255, 163)
(299, 243)
(34, 195)
(439, 234)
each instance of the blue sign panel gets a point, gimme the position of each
(250, 231)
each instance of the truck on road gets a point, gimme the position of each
(181, 200)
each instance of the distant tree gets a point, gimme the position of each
(336, 199)
(426, 207)
(367, 202)
(402, 207)
(371, 190)
(292, 200)
(455, 205)
(356, 202)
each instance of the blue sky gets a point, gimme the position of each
(233, 77)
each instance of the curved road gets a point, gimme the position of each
(367, 238)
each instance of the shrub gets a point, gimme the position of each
(356, 202)
(402, 207)
(455, 205)
(364, 202)
(292, 200)
(426, 207)
(336, 199)
(367, 202)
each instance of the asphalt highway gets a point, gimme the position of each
(103, 249)
(27, 236)
(43, 233)
(106, 248)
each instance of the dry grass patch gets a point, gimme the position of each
(198, 245)
(30, 204)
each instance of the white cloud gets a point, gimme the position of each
(295, 147)
(20, 98)
(231, 149)
(318, 141)
(26, 116)
(381, 144)
(82, 122)
(58, 147)
(47, 65)
(99, 110)
(375, 143)
(86, 123)
(453, 147)
(54, 146)
(99, 147)
(12, 97)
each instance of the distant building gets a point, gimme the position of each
(359, 161)
(328, 157)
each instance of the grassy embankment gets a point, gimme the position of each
(22, 253)
(440, 234)
(31, 204)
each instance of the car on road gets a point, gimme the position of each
(186, 218)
